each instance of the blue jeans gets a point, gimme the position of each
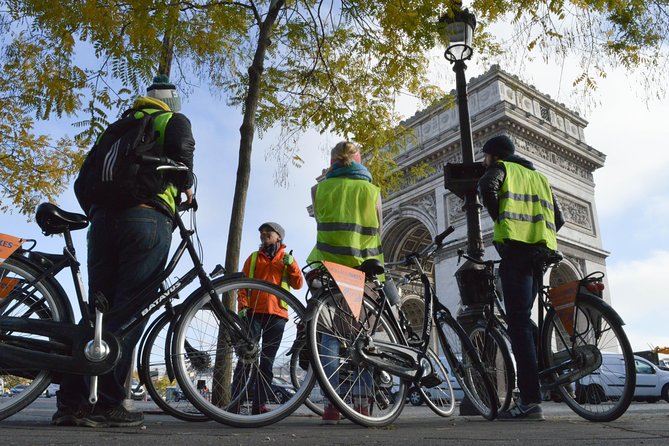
(520, 286)
(362, 380)
(126, 249)
(269, 328)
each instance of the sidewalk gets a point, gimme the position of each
(644, 424)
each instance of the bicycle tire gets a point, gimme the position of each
(441, 398)
(38, 301)
(597, 328)
(494, 351)
(200, 354)
(156, 358)
(386, 394)
(468, 368)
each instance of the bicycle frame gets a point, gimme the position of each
(63, 351)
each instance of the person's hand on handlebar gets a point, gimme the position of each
(189, 195)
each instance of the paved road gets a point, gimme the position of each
(644, 424)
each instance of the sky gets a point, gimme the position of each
(632, 189)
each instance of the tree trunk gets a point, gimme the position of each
(222, 370)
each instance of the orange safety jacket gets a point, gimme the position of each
(270, 270)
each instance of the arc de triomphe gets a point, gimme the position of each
(544, 131)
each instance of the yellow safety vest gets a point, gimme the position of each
(348, 225)
(526, 208)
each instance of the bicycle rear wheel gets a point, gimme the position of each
(220, 375)
(20, 297)
(439, 398)
(157, 372)
(466, 365)
(299, 365)
(362, 393)
(495, 354)
(594, 368)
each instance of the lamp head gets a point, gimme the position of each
(456, 27)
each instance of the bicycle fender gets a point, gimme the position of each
(597, 301)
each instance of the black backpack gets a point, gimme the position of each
(112, 175)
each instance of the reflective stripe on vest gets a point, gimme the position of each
(285, 283)
(348, 225)
(526, 209)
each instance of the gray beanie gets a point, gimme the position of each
(501, 145)
(163, 90)
(274, 227)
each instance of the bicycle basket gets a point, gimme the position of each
(562, 299)
(474, 285)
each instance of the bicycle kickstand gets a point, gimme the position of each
(97, 350)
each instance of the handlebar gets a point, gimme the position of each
(427, 252)
(162, 162)
(461, 254)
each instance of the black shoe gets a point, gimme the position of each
(520, 411)
(119, 416)
(77, 417)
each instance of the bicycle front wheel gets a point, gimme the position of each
(592, 364)
(364, 394)
(495, 354)
(466, 365)
(22, 297)
(232, 381)
(157, 372)
(439, 398)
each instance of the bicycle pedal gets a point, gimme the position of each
(431, 380)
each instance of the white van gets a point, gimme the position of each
(652, 383)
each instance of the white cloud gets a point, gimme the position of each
(639, 295)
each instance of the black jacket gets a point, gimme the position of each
(179, 146)
(491, 182)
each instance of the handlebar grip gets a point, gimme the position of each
(150, 159)
(440, 238)
(186, 206)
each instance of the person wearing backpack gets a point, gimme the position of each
(128, 244)
(266, 313)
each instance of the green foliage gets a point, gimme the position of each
(332, 65)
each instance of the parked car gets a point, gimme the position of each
(283, 390)
(51, 390)
(137, 392)
(652, 382)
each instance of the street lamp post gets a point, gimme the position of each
(459, 27)
(461, 179)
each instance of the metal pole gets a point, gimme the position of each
(472, 205)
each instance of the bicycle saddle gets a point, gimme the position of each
(53, 220)
(371, 267)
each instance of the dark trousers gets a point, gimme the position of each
(519, 285)
(126, 249)
(269, 329)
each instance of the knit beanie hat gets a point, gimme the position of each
(274, 227)
(501, 145)
(163, 90)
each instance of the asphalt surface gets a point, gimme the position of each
(643, 424)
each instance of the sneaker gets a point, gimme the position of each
(263, 408)
(119, 416)
(330, 415)
(361, 405)
(77, 417)
(520, 411)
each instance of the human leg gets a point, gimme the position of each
(516, 273)
(272, 333)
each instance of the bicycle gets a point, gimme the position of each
(379, 356)
(576, 329)
(40, 340)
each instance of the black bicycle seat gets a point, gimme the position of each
(53, 220)
(371, 267)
